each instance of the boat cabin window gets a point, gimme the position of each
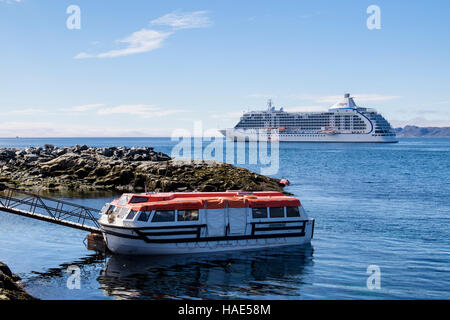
(292, 212)
(121, 212)
(110, 210)
(144, 216)
(164, 216)
(187, 215)
(276, 212)
(136, 199)
(131, 215)
(259, 213)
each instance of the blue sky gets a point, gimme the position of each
(145, 68)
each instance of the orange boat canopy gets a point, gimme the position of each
(206, 200)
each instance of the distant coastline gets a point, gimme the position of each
(409, 131)
(423, 132)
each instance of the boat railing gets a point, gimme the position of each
(47, 209)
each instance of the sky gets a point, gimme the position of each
(147, 68)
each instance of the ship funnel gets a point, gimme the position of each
(347, 102)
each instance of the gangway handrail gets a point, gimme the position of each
(47, 198)
(55, 213)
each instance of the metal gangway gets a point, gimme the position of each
(60, 212)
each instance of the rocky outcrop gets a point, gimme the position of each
(9, 289)
(83, 168)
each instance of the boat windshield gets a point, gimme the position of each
(123, 200)
(105, 208)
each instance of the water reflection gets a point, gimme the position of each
(264, 273)
(85, 264)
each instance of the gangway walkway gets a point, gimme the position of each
(51, 210)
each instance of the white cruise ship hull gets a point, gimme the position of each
(255, 135)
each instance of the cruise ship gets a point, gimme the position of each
(343, 122)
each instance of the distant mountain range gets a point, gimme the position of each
(423, 132)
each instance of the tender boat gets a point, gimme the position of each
(193, 222)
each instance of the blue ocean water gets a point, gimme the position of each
(386, 205)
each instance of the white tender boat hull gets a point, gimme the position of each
(120, 244)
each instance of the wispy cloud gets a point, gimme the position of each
(228, 115)
(184, 20)
(52, 129)
(142, 110)
(25, 112)
(309, 15)
(99, 109)
(10, 1)
(262, 96)
(305, 109)
(146, 40)
(361, 97)
(442, 102)
(85, 107)
(140, 41)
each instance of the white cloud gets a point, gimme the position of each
(84, 55)
(49, 129)
(146, 40)
(142, 110)
(186, 20)
(228, 115)
(305, 109)
(85, 107)
(140, 41)
(262, 96)
(25, 112)
(361, 97)
(309, 15)
(441, 102)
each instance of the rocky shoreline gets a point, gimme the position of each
(120, 169)
(9, 289)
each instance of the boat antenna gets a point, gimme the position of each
(269, 104)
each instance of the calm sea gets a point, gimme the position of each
(386, 205)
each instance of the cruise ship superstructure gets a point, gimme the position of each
(343, 122)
